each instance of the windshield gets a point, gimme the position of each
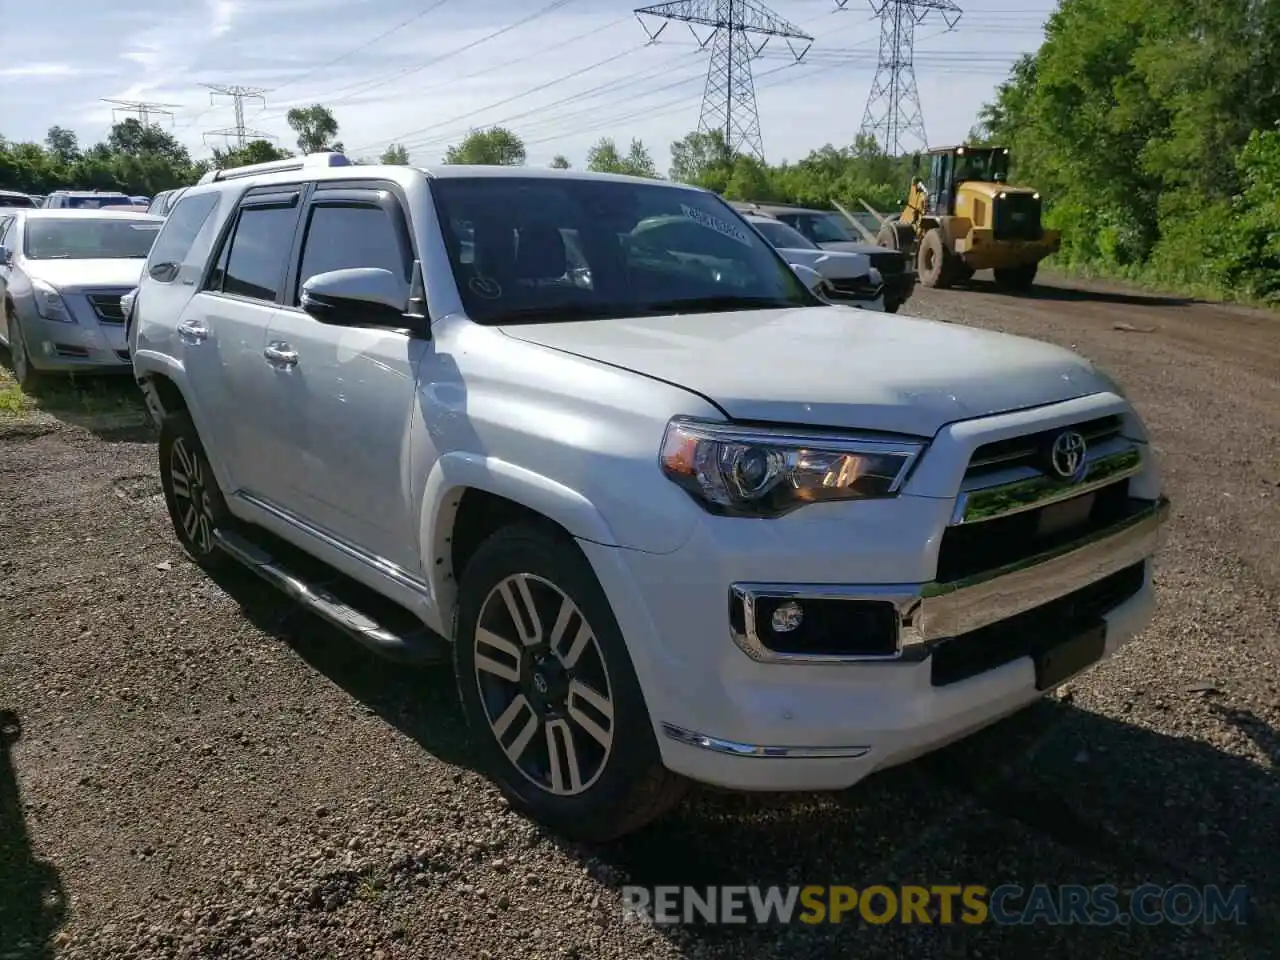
(782, 236)
(48, 238)
(541, 249)
(987, 166)
(826, 228)
(16, 200)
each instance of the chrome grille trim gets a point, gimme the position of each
(1026, 488)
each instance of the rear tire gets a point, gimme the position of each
(547, 685)
(1019, 279)
(196, 505)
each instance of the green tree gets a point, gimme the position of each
(496, 146)
(395, 154)
(62, 145)
(560, 162)
(702, 159)
(316, 128)
(604, 157)
(255, 151)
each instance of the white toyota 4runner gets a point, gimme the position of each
(673, 517)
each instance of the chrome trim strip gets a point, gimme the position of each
(383, 566)
(935, 611)
(1040, 490)
(732, 748)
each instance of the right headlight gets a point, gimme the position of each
(763, 472)
(49, 302)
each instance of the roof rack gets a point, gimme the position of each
(278, 166)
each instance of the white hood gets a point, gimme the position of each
(834, 366)
(71, 275)
(833, 266)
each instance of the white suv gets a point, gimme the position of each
(672, 516)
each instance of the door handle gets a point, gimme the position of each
(280, 354)
(193, 331)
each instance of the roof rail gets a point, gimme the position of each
(278, 166)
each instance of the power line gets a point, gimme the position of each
(404, 137)
(429, 9)
(729, 98)
(366, 86)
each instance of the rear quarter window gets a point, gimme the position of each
(174, 247)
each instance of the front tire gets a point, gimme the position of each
(28, 377)
(196, 506)
(547, 684)
(936, 262)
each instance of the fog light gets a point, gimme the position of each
(787, 617)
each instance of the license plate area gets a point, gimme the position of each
(1058, 517)
(1064, 660)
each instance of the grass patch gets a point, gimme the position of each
(86, 401)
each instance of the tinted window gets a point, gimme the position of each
(16, 200)
(50, 238)
(259, 249)
(179, 233)
(546, 249)
(782, 236)
(341, 237)
(95, 202)
(824, 228)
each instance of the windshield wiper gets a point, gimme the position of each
(718, 304)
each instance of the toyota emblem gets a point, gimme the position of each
(1067, 455)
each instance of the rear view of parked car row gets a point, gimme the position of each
(671, 513)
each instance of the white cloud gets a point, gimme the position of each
(41, 71)
(222, 13)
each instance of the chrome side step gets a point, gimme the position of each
(415, 646)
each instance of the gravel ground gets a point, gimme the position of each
(197, 769)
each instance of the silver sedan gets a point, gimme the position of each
(62, 274)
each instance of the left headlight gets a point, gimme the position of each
(49, 302)
(766, 472)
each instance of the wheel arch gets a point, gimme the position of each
(467, 497)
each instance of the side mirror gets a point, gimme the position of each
(360, 295)
(6, 257)
(811, 277)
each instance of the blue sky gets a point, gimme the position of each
(563, 79)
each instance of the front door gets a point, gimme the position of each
(343, 396)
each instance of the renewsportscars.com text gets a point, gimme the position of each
(943, 904)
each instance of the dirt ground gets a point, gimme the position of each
(197, 769)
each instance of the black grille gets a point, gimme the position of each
(975, 548)
(890, 263)
(1027, 450)
(854, 286)
(1032, 632)
(1016, 216)
(107, 307)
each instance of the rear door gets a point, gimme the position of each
(223, 333)
(342, 404)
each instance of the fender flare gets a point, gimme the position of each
(453, 473)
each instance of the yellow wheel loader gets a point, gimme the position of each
(964, 216)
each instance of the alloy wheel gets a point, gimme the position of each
(544, 685)
(191, 495)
